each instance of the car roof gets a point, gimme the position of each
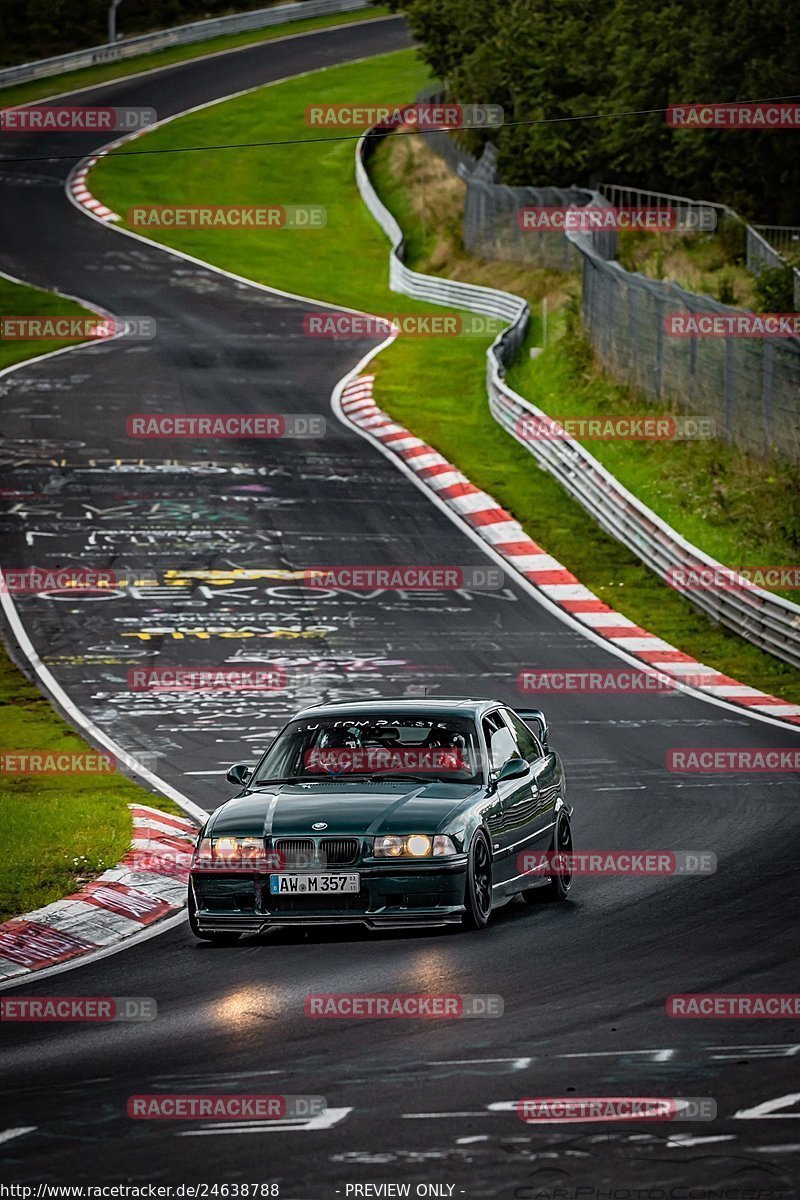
(454, 706)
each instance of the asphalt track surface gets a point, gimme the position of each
(584, 984)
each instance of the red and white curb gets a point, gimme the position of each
(115, 906)
(494, 525)
(81, 195)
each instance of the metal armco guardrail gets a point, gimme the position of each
(181, 35)
(766, 620)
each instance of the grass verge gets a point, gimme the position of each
(58, 830)
(36, 89)
(436, 389)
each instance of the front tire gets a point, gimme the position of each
(220, 939)
(558, 887)
(478, 891)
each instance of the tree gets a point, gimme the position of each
(567, 59)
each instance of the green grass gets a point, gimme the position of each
(437, 389)
(20, 300)
(58, 831)
(317, 172)
(23, 93)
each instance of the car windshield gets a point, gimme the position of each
(421, 747)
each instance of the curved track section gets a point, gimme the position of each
(205, 534)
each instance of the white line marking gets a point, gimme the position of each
(519, 1064)
(788, 1051)
(658, 1055)
(635, 787)
(767, 1110)
(9, 1134)
(324, 1120)
(786, 1148)
(679, 1140)
(432, 1115)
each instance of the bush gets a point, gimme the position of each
(726, 292)
(732, 237)
(775, 289)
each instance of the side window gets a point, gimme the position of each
(501, 744)
(529, 747)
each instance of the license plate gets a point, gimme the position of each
(314, 885)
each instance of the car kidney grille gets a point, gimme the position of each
(296, 852)
(338, 851)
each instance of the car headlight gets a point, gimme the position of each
(413, 845)
(230, 852)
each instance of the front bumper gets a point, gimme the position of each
(420, 894)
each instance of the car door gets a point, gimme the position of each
(509, 800)
(532, 819)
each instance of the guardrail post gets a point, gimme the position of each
(112, 20)
(658, 365)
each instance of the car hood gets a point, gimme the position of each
(369, 808)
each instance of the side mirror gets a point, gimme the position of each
(535, 718)
(515, 768)
(239, 774)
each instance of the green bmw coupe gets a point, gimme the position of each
(386, 813)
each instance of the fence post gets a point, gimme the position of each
(767, 377)
(727, 387)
